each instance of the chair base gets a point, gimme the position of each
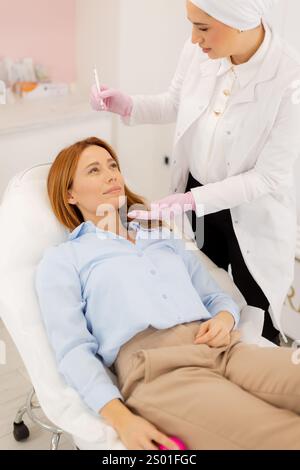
(21, 431)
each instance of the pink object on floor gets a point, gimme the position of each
(177, 441)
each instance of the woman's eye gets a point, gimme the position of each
(92, 170)
(199, 29)
(114, 165)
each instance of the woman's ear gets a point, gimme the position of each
(70, 198)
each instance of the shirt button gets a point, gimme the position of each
(153, 271)
(236, 221)
(248, 252)
(228, 132)
(164, 296)
(226, 92)
(217, 113)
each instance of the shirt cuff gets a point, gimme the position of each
(226, 194)
(230, 308)
(198, 202)
(129, 120)
(99, 396)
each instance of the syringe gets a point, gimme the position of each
(98, 86)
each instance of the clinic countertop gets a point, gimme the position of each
(35, 114)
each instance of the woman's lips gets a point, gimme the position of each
(206, 50)
(114, 191)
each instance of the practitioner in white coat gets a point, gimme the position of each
(235, 98)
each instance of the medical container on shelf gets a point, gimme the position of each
(31, 91)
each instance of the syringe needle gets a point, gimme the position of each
(98, 86)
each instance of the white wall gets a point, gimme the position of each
(153, 33)
(33, 146)
(135, 44)
(97, 42)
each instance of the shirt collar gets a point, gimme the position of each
(247, 71)
(85, 227)
(90, 227)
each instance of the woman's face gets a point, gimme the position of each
(96, 174)
(220, 39)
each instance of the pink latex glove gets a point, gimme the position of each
(114, 101)
(169, 206)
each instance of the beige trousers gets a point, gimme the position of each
(234, 397)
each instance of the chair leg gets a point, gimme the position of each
(55, 441)
(20, 413)
(21, 431)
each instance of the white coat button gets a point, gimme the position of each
(248, 252)
(174, 163)
(228, 132)
(164, 296)
(153, 271)
(236, 221)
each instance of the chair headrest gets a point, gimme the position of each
(28, 223)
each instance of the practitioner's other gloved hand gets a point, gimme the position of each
(137, 433)
(114, 101)
(169, 206)
(216, 332)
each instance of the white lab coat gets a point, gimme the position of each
(259, 188)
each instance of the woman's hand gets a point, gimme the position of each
(136, 433)
(216, 332)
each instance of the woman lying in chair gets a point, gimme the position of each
(134, 299)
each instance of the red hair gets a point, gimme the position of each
(60, 181)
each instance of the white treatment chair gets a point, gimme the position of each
(28, 227)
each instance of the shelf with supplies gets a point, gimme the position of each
(36, 114)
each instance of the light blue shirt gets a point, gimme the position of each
(97, 290)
